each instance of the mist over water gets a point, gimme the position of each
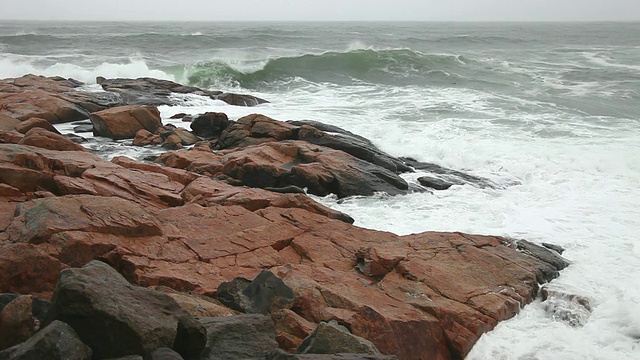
(554, 107)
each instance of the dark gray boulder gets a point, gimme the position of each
(210, 125)
(332, 338)
(117, 319)
(263, 295)
(239, 337)
(434, 183)
(57, 341)
(240, 99)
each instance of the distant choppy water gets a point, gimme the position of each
(555, 106)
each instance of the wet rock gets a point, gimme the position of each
(75, 138)
(332, 338)
(556, 248)
(451, 176)
(178, 116)
(240, 99)
(434, 183)
(54, 99)
(564, 305)
(238, 337)
(172, 142)
(57, 341)
(186, 138)
(96, 300)
(29, 124)
(321, 170)
(149, 91)
(265, 294)
(144, 137)
(210, 125)
(46, 139)
(555, 261)
(125, 121)
(83, 128)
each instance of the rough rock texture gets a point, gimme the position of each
(149, 91)
(54, 99)
(265, 294)
(124, 122)
(321, 170)
(46, 139)
(145, 137)
(161, 226)
(17, 323)
(57, 341)
(165, 354)
(116, 318)
(238, 337)
(332, 338)
(29, 124)
(210, 125)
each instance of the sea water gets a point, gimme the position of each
(550, 111)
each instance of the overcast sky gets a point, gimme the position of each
(311, 10)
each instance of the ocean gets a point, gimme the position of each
(550, 111)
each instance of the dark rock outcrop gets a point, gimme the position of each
(332, 338)
(434, 183)
(238, 337)
(210, 125)
(265, 294)
(57, 341)
(149, 91)
(116, 318)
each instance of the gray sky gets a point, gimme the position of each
(337, 10)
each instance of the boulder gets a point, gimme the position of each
(209, 125)
(96, 300)
(57, 341)
(17, 323)
(240, 99)
(144, 137)
(565, 305)
(238, 337)
(124, 122)
(186, 138)
(46, 139)
(265, 294)
(434, 183)
(29, 124)
(172, 142)
(332, 338)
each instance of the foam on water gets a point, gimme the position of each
(11, 67)
(578, 190)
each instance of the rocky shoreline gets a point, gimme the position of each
(215, 251)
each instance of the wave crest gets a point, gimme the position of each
(369, 65)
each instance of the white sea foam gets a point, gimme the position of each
(578, 191)
(134, 68)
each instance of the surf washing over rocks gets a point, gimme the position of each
(549, 112)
